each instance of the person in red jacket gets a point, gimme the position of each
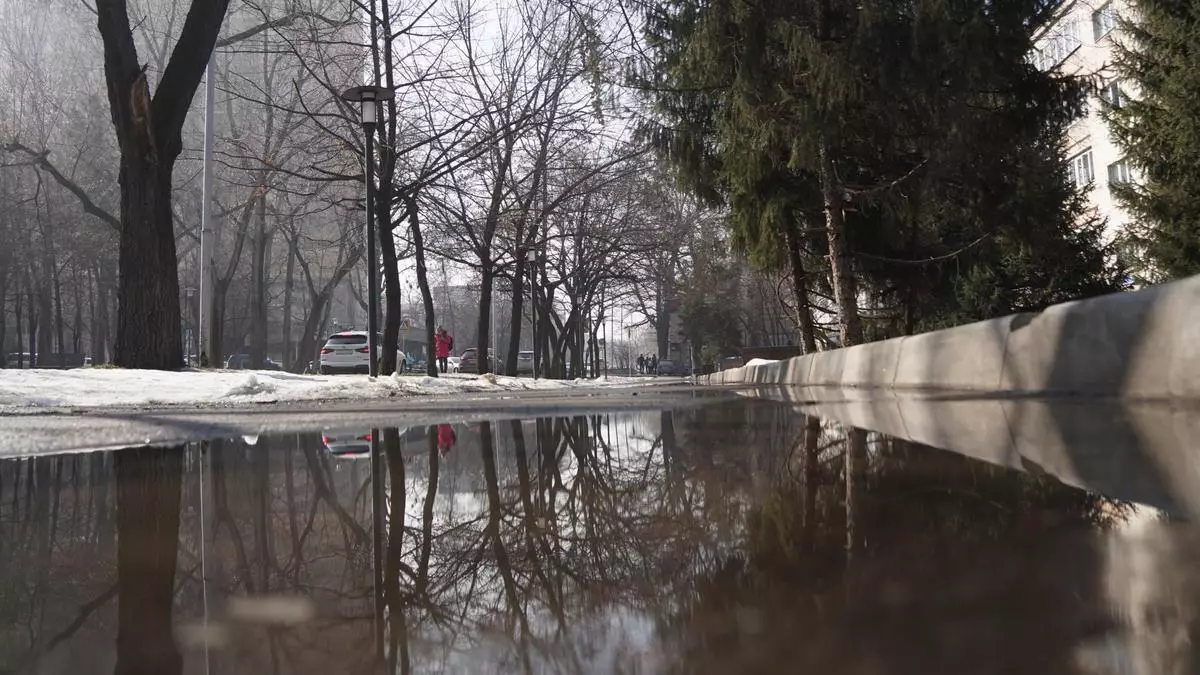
(446, 438)
(443, 344)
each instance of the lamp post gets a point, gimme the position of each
(193, 330)
(531, 263)
(368, 98)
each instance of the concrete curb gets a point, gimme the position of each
(1137, 451)
(1143, 344)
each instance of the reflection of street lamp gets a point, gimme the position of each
(369, 97)
(531, 260)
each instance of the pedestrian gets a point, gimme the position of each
(654, 364)
(446, 438)
(641, 364)
(443, 344)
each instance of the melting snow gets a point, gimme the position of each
(93, 387)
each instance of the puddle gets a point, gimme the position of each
(737, 537)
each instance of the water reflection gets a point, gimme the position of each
(731, 538)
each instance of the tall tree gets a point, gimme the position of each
(898, 140)
(149, 133)
(1158, 128)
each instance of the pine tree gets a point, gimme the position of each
(917, 129)
(1158, 128)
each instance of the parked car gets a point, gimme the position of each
(348, 351)
(452, 363)
(667, 367)
(524, 363)
(20, 360)
(242, 362)
(469, 362)
(347, 443)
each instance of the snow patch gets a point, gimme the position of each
(761, 362)
(249, 387)
(24, 389)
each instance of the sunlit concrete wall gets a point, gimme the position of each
(1143, 344)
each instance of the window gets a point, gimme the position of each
(1118, 172)
(1103, 21)
(1080, 169)
(1112, 94)
(1058, 44)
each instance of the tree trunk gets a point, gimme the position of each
(103, 324)
(33, 321)
(394, 301)
(18, 315)
(485, 315)
(662, 325)
(217, 330)
(45, 303)
(449, 308)
(59, 328)
(804, 320)
(77, 328)
(149, 134)
(312, 326)
(288, 287)
(516, 319)
(148, 324)
(414, 226)
(4, 275)
(258, 288)
(841, 267)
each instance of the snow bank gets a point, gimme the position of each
(94, 387)
(761, 362)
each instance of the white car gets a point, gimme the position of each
(348, 351)
(347, 443)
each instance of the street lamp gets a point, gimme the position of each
(368, 98)
(191, 328)
(531, 260)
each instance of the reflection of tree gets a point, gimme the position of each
(556, 524)
(264, 518)
(398, 648)
(148, 490)
(928, 532)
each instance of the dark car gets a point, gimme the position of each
(469, 363)
(667, 367)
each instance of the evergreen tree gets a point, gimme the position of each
(914, 133)
(1158, 128)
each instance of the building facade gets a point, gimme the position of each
(1079, 41)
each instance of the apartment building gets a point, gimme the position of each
(1080, 42)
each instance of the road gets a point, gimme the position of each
(40, 431)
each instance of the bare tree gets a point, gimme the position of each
(149, 132)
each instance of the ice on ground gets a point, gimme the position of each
(99, 387)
